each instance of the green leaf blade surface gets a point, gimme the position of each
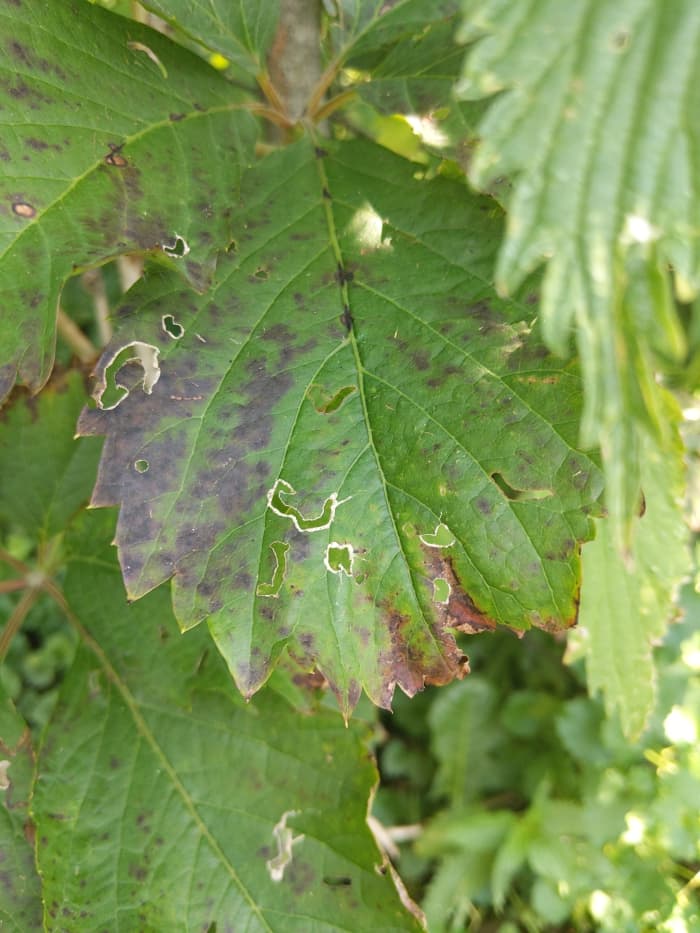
(181, 793)
(96, 140)
(46, 475)
(20, 904)
(299, 472)
(241, 31)
(595, 126)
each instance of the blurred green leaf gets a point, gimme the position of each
(45, 475)
(464, 740)
(594, 124)
(627, 607)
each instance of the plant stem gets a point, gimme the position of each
(75, 338)
(14, 623)
(17, 565)
(295, 58)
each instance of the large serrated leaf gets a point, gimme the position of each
(102, 121)
(186, 808)
(353, 447)
(20, 904)
(597, 126)
(626, 610)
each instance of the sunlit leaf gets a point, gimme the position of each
(104, 151)
(627, 607)
(350, 385)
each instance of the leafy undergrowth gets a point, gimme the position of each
(530, 810)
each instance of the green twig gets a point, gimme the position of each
(14, 623)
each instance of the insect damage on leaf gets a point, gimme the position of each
(327, 495)
(339, 558)
(110, 377)
(285, 839)
(276, 504)
(279, 552)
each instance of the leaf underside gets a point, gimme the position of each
(347, 417)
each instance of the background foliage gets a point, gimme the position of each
(335, 419)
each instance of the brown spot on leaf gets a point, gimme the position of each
(23, 209)
(114, 157)
(460, 612)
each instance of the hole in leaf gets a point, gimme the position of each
(441, 591)
(177, 247)
(261, 273)
(171, 327)
(232, 247)
(141, 466)
(441, 537)
(519, 495)
(339, 557)
(279, 552)
(22, 209)
(133, 365)
(277, 504)
(285, 839)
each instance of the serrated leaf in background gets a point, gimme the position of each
(595, 125)
(353, 446)
(184, 800)
(625, 609)
(20, 893)
(240, 30)
(103, 154)
(45, 475)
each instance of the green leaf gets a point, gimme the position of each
(595, 125)
(96, 143)
(186, 808)
(462, 746)
(350, 384)
(628, 606)
(20, 904)
(46, 475)
(362, 27)
(240, 30)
